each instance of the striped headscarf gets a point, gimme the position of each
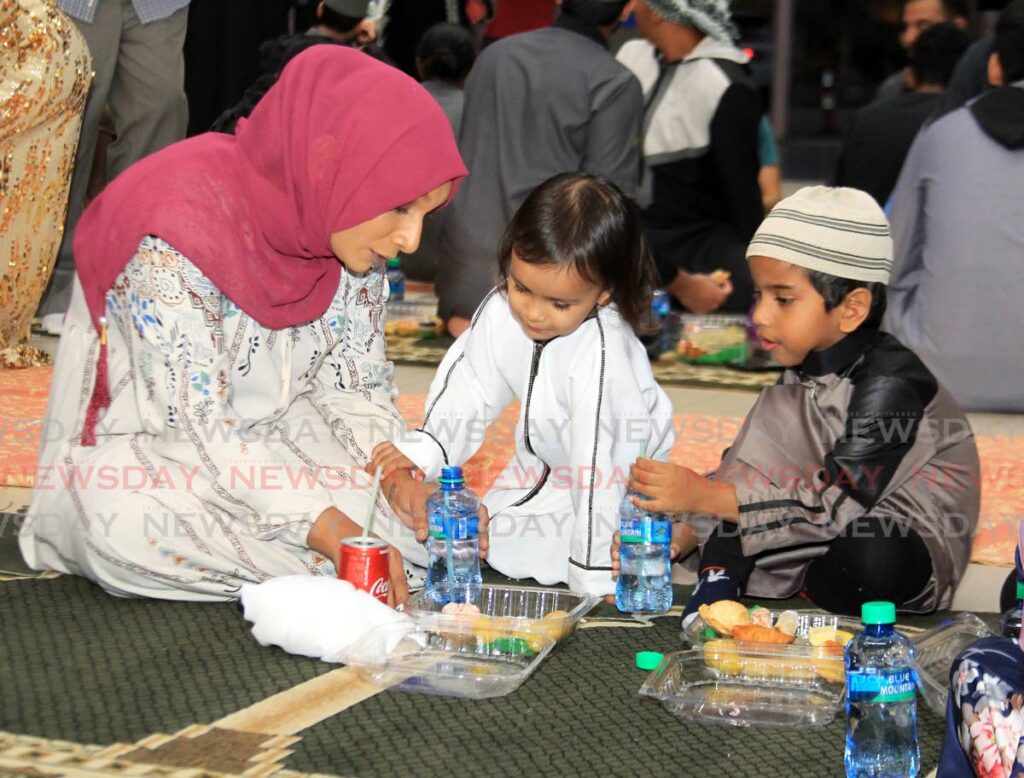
(711, 17)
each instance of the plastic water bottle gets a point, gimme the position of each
(453, 545)
(881, 708)
(645, 564)
(396, 280)
(661, 307)
(1009, 622)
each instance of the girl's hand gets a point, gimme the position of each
(388, 458)
(408, 499)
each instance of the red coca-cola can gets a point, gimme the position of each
(364, 564)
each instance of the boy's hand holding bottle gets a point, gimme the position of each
(677, 489)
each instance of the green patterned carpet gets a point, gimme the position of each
(667, 370)
(78, 665)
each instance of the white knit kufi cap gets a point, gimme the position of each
(835, 230)
(711, 17)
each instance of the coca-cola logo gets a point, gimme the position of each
(380, 588)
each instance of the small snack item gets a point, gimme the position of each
(820, 636)
(723, 656)
(721, 277)
(724, 615)
(787, 622)
(760, 616)
(828, 662)
(463, 609)
(843, 637)
(514, 645)
(557, 625)
(755, 633)
(489, 629)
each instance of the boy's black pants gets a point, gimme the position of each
(859, 567)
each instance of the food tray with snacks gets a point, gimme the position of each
(556, 612)
(712, 340)
(935, 651)
(722, 683)
(449, 656)
(809, 639)
(413, 319)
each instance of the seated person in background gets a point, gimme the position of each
(338, 21)
(444, 58)
(957, 217)
(881, 133)
(700, 191)
(855, 478)
(537, 104)
(984, 716)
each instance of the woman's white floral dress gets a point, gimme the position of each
(223, 442)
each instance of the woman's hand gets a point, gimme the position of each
(398, 591)
(389, 459)
(408, 499)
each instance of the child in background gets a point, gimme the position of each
(557, 334)
(854, 478)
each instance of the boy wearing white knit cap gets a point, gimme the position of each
(855, 477)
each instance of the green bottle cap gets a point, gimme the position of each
(648, 660)
(394, 262)
(878, 613)
(1020, 590)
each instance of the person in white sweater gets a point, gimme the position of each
(558, 335)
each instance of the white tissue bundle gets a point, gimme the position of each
(321, 617)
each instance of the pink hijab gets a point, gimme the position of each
(338, 140)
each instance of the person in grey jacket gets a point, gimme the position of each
(536, 104)
(958, 224)
(855, 478)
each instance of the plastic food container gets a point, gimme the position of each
(936, 650)
(712, 340)
(738, 686)
(516, 606)
(697, 633)
(449, 656)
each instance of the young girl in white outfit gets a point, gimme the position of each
(558, 335)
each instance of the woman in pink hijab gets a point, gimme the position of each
(221, 379)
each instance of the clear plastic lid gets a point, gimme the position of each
(450, 656)
(555, 611)
(728, 683)
(935, 651)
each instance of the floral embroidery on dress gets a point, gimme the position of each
(991, 720)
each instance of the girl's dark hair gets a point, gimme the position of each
(835, 289)
(446, 53)
(585, 222)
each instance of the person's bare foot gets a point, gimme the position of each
(457, 325)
